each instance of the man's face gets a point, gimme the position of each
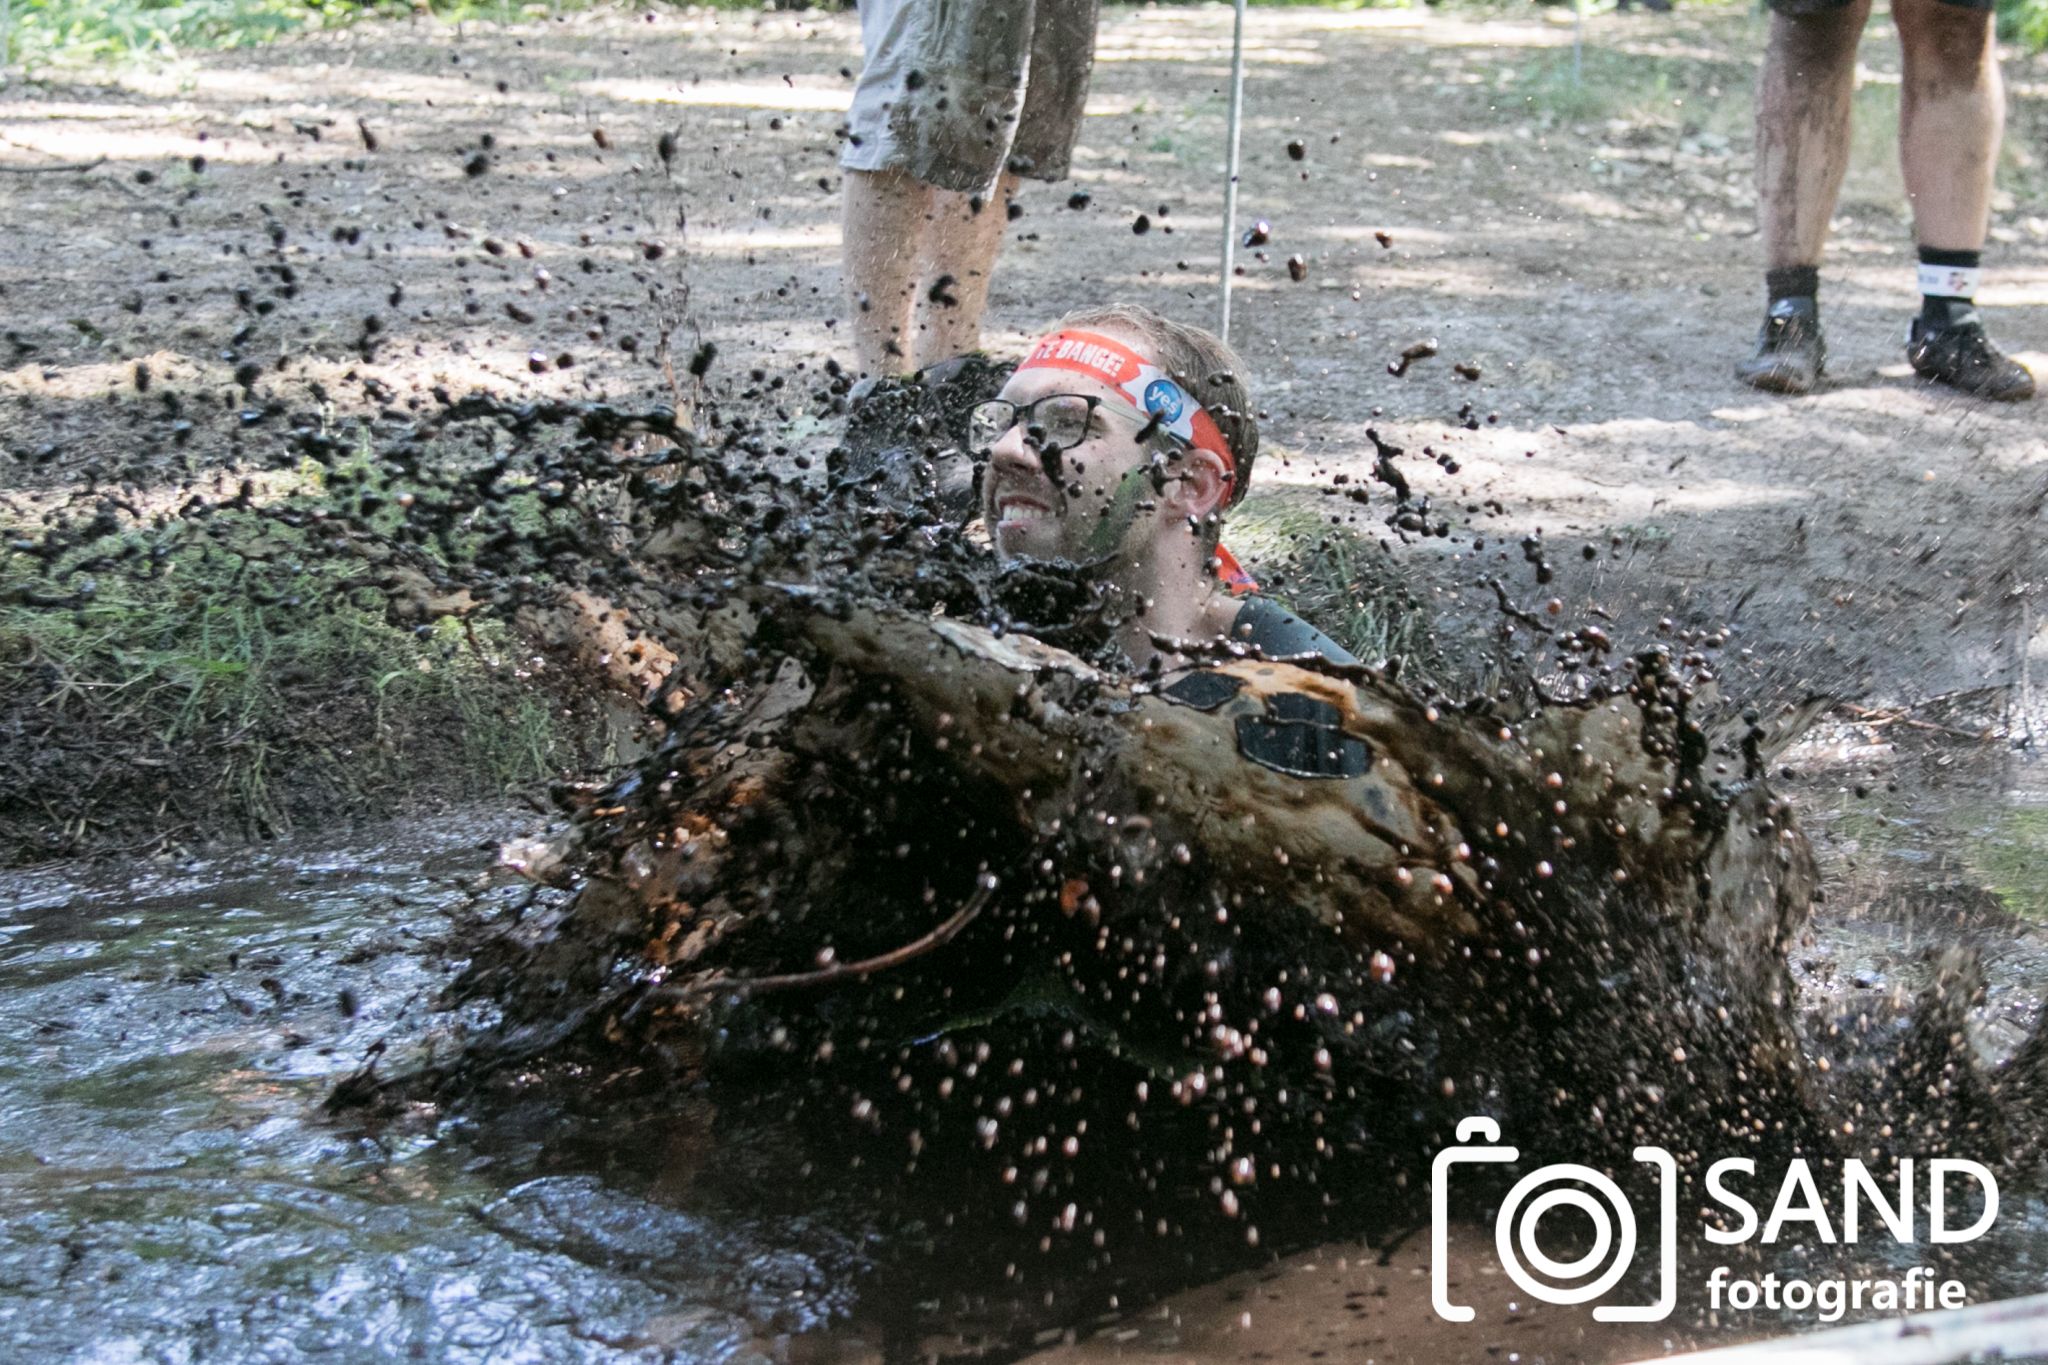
(1055, 487)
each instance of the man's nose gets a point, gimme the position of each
(1012, 454)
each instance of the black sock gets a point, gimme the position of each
(1792, 282)
(1945, 310)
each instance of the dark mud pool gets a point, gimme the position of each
(171, 1189)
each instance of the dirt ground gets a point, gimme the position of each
(363, 216)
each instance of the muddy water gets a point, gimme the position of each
(170, 1190)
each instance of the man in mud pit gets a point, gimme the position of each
(1122, 440)
(1951, 115)
(954, 103)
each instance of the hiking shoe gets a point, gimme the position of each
(1791, 354)
(1962, 357)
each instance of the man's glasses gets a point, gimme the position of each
(1059, 420)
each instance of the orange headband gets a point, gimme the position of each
(1142, 384)
(1147, 388)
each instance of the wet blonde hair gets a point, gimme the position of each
(1202, 363)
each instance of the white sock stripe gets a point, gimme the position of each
(1949, 281)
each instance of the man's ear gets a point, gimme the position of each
(1202, 485)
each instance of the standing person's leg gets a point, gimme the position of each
(887, 198)
(958, 255)
(885, 217)
(1003, 130)
(1802, 153)
(1951, 117)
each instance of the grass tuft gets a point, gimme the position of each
(244, 678)
(1334, 578)
(77, 31)
(2013, 858)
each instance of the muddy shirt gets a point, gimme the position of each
(1279, 633)
(1289, 732)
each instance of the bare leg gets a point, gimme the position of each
(883, 225)
(961, 241)
(1802, 129)
(1951, 114)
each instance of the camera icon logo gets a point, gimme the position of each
(1582, 1188)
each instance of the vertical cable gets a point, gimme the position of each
(1230, 171)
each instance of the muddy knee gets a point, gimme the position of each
(1813, 41)
(1946, 45)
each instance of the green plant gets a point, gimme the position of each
(2012, 855)
(241, 674)
(1604, 84)
(1619, 83)
(1332, 577)
(98, 30)
(2024, 23)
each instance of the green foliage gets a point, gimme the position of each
(2024, 23)
(1608, 83)
(99, 30)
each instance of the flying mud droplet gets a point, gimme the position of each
(1258, 234)
(1297, 268)
(1420, 350)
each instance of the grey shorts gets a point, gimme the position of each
(953, 91)
(1806, 9)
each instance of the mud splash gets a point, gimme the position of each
(1004, 940)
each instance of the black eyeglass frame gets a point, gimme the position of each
(1095, 403)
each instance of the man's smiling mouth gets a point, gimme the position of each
(1013, 508)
